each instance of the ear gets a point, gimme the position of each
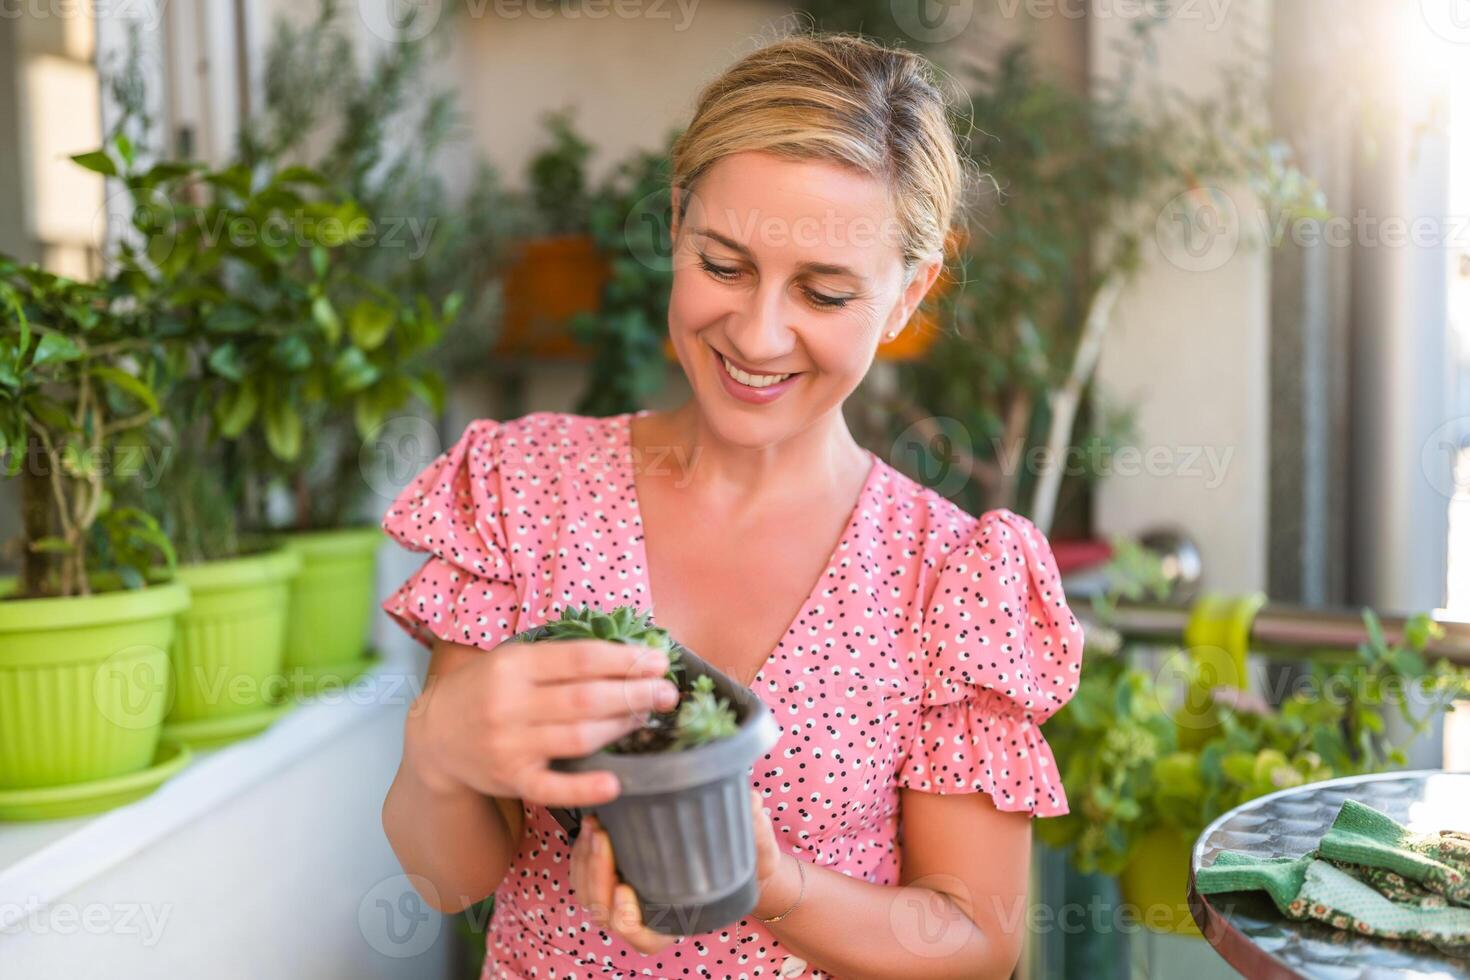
(923, 280)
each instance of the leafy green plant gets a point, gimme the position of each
(79, 373)
(701, 715)
(629, 219)
(1135, 758)
(557, 176)
(243, 268)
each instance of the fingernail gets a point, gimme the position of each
(668, 695)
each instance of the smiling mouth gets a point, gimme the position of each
(752, 380)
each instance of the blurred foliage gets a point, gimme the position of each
(630, 221)
(628, 217)
(80, 370)
(1137, 752)
(299, 330)
(1076, 184)
(558, 177)
(381, 133)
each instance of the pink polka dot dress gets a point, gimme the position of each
(927, 656)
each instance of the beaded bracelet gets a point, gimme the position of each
(801, 871)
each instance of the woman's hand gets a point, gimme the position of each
(613, 904)
(492, 725)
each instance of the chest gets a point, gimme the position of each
(731, 593)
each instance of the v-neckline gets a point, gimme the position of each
(640, 542)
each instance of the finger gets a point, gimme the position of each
(577, 870)
(601, 878)
(580, 659)
(579, 699)
(568, 740)
(579, 789)
(581, 859)
(628, 921)
(602, 875)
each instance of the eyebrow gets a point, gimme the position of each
(820, 268)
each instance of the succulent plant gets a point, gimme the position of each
(701, 715)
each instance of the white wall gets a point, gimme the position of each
(1189, 351)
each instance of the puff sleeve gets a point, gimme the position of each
(1001, 652)
(465, 592)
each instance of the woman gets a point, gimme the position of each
(908, 650)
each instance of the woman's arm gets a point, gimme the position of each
(479, 740)
(458, 842)
(960, 910)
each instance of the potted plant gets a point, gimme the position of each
(85, 629)
(1148, 759)
(391, 298)
(684, 772)
(242, 263)
(557, 270)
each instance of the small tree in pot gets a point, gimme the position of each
(84, 634)
(684, 771)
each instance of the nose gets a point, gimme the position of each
(760, 330)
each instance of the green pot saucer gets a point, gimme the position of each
(208, 733)
(94, 796)
(330, 677)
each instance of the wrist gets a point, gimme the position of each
(781, 889)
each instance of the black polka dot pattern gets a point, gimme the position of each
(926, 657)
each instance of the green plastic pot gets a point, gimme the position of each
(332, 599)
(84, 684)
(227, 659)
(1156, 880)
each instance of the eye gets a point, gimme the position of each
(718, 271)
(826, 302)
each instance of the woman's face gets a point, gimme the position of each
(789, 273)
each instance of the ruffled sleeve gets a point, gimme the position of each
(1002, 653)
(465, 592)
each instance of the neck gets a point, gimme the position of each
(818, 460)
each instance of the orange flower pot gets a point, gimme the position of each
(551, 280)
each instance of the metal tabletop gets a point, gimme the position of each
(1254, 937)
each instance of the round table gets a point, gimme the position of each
(1254, 937)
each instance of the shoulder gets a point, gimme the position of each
(540, 439)
(943, 528)
(997, 548)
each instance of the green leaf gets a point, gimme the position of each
(124, 148)
(283, 429)
(292, 353)
(326, 318)
(97, 162)
(353, 371)
(128, 383)
(236, 410)
(55, 347)
(226, 361)
(368, 323)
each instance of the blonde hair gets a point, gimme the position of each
(846, 100)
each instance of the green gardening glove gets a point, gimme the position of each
(1439, 862)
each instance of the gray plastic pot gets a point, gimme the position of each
(681, 828)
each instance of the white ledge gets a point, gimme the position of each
(41, 862)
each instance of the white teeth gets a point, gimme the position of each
(752, 380)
